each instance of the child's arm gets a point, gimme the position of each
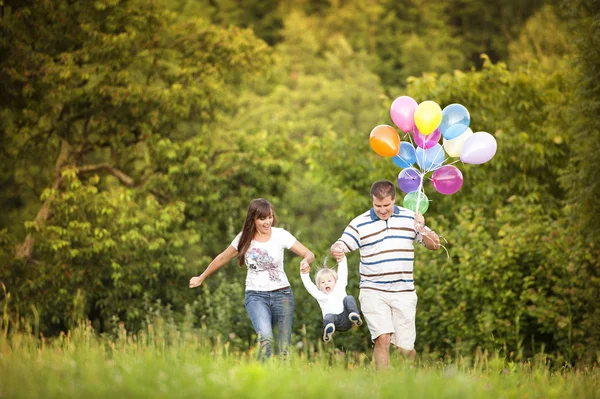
(310, 286)
(342, 272)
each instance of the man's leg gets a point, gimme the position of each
(404, 306)
(381, 353)
(409, 354)
(378, 316)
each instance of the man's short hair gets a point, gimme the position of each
(383, 188)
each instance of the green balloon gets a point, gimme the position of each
(411, 199)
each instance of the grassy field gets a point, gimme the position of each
(163, 363)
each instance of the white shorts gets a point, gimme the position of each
(390, 313)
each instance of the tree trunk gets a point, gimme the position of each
(23, 251)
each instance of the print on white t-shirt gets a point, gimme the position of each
(265, 261)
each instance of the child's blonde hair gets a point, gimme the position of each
(324, 271)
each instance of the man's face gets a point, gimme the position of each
(384, 208)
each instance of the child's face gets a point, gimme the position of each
(326, 283)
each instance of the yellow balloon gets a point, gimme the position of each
(428, 117)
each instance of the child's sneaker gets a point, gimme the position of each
(355, 319)
(328, 332)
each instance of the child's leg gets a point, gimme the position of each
(342, 323)
(350, 304)
(351, 310)
(328, 326)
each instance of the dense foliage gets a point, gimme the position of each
(133, 134)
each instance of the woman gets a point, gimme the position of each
(269, 298)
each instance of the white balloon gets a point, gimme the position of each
(454, 147)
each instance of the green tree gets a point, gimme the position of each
(581, 174)
(262, 16)
(114, 114)
(535, 45)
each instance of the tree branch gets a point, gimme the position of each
(123, 177)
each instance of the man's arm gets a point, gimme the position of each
(348, 242)
(428, 237)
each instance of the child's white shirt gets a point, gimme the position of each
(330, 303)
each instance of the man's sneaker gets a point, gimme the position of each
(355, 319)
(328, 332)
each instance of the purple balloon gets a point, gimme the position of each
(409, 180)
(426, 141)
(402, 112)
(479, 148)
(447, 180)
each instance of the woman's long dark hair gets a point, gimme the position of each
(259, 208)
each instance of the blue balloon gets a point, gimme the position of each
(406, 156)
(455, 121)
(431, 158)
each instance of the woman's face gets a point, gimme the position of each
(263, 226)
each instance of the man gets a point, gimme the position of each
(385, 235)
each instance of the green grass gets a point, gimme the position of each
(165, 363)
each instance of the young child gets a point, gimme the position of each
(339, 309)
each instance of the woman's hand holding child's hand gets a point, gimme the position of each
(304, 266)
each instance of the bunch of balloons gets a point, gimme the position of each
(424, 124)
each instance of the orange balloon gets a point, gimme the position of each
(384, 140)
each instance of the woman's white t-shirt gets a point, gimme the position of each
(265, 261)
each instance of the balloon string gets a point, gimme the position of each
(435, 156)
(425, 171)
(447, 254)
(410, 139)
(445, 249)
(419, 191)
(441, 245)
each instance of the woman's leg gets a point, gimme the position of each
(259, 311)
(283, 315)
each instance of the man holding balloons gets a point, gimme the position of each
(385, 235)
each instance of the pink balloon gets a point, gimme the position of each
(424, 141)
(402, 112)
(447, 180)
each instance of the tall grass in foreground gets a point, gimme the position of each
(163, 362)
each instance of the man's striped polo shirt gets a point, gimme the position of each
(386, 249)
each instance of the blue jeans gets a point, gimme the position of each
(342, 321)
(268, 311)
